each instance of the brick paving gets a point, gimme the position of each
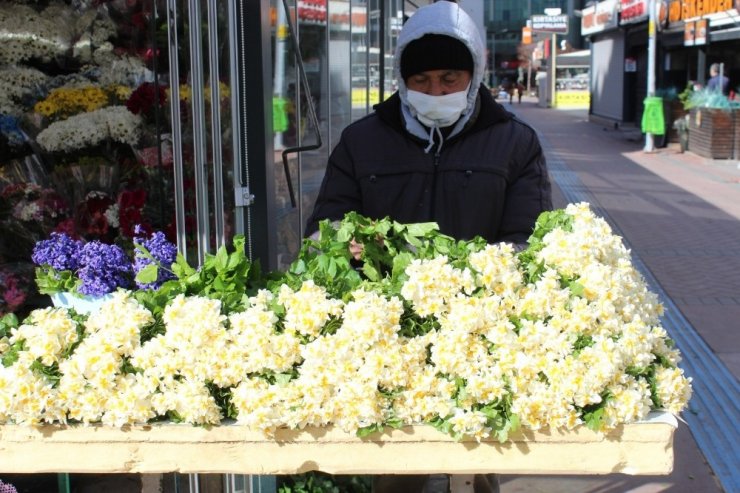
(680, 214)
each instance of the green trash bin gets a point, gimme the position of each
(653, 120)
(279, 114)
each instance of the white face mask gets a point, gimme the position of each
(438, 111)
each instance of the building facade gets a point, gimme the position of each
(504, 22)
(690, 36)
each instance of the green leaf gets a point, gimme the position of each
(7, 322)
(422, 229)
(594, 419)
(222, 259)
(371, 272)
(369, 430)
(148, 274)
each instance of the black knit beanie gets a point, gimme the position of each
(435, 52)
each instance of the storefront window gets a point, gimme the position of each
(337, 61)
(87, 141)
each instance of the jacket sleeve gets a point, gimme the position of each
(528, 193)
(339, 192)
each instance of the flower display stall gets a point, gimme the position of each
(532, 361)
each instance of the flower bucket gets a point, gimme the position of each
(81, 303)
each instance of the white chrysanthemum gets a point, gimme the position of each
(17, 83)
(28, 34)
(90, 129)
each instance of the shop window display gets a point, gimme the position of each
(83, 130)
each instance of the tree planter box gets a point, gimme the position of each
(640, 448)
(712, 133)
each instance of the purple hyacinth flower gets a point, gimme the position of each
(59, 252)
(164, 253)
(103, 268)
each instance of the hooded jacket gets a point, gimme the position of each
(486, 178)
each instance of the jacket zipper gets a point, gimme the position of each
(433, 197)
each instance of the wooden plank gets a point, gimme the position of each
(639, 448)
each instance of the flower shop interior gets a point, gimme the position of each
(200, 120)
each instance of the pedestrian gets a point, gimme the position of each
(718, 82)
(439, 149)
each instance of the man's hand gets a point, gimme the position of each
(356, 249)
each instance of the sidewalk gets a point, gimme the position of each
(680, 215)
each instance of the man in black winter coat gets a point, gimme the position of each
(440, 149)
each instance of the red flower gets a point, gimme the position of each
(67, 227)
(13, 296)
(130, 206)
(90, 216)
(144, 98)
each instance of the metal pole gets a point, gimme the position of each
(649, 144)
(553, 58)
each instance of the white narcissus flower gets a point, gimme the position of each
(308, 309)
(46, 334)
(583, 333)
(674, 389)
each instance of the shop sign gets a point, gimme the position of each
(681, 10)
(633, 11)
(312, 10)
(550, 23)
(699, 8)
(572, 99)
(600, 17)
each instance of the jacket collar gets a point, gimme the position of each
(488, 113)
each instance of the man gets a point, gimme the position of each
(439, 149)
(717, 82)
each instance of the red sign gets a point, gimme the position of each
(312, 10)
(633, 11)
